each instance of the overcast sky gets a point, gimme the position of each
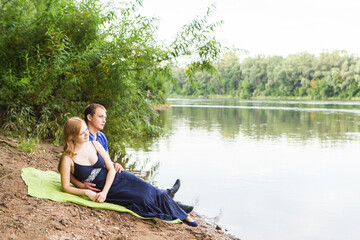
(276, 27)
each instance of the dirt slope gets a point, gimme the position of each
(25, 217)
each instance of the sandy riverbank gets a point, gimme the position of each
(25, 217)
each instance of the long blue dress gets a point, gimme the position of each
(131, 192)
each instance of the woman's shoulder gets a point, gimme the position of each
(97, 144)
(65, 157)
(65, 160)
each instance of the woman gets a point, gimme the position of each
(88, 161)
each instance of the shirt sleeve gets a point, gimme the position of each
(105, 143)
(101, 138)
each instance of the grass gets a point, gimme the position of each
(28, 145)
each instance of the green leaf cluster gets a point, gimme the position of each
(57, 56)
(330, 75)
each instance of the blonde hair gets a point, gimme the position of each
(71, 129)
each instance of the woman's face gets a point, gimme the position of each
(83, 134)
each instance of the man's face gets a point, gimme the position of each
(98, 120)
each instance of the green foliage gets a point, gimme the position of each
(28, 145)
(331, 75)
(58, 56)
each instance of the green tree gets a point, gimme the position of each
(229, 69)
(58, 56)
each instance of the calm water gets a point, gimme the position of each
(262, 169)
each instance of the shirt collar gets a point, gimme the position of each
(92, 135)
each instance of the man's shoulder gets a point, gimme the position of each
(101, 134)
(101, 138)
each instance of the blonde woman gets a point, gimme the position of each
(89, 162)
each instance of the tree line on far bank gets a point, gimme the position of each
(330, 75)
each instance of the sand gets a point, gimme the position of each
(26, 217)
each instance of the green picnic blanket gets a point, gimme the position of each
(47, 184)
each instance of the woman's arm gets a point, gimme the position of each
(83, 185)
(76, 182)
(100, 197)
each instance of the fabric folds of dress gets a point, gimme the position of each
(131, 192)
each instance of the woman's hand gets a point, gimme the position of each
(96, 197)
(91, 194)
(89, 185)
(100, 197)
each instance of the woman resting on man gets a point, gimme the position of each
(88, 161)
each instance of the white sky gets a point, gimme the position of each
(276, 27)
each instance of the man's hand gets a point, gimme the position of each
(118, 167)
(90, 186)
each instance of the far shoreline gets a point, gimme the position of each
(307, 98)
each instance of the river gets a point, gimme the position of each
(261, 169)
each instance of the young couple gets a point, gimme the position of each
(88, 166)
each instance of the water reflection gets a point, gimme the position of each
(295, 120)
(145, 168)
(261, 168)
(323, 120)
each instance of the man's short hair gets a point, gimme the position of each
(91, 109)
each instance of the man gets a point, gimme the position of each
(148, 94)
(95, 118)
